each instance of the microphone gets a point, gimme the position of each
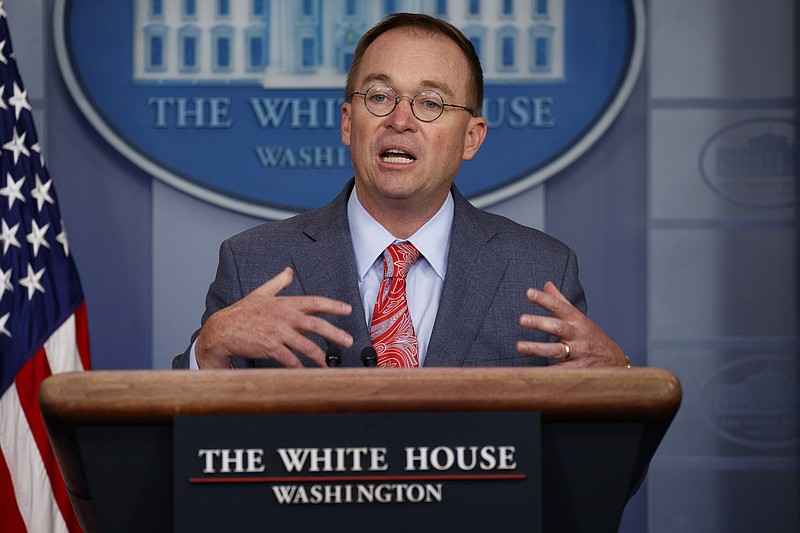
(333, 356)
(369, 357)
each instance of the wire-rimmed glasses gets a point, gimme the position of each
(426, 105)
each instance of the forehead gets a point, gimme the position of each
(410, 59)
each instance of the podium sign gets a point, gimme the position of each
(388, 472)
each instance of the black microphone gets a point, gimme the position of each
(369, 357)
(333, 356)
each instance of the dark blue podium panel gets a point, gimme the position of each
(390, 472)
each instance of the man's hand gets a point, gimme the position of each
(264, 325)
(582, 344)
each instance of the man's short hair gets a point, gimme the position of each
(427, 25)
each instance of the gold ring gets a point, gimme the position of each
(566, 348)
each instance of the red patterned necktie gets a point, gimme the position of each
(391, 331)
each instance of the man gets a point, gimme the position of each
(286, 291)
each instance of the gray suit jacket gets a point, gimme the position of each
(492, 261)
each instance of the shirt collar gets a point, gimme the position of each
(370, 239)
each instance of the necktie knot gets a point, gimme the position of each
(398, 258)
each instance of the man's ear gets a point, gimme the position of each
(346, 124)
(476, 134)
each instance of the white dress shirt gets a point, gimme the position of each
(425, 278)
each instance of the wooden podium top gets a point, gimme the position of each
(155, 396)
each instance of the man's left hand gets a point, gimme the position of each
(582, 342)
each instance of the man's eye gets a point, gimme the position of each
(430, 104)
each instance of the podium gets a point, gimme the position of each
(112, 430)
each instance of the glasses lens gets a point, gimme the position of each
(428, 105)
(380, 100)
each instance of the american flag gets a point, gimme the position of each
(42, 314)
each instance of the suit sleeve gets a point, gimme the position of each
(223, 291)
(571, 286)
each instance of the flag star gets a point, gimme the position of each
(19, 100)
(36, 237)
(3, 320)
(2, 52)
(17, 145)
(8, 236)
(32, 281)
(2, 92)
(2, 11)
(13, 190)
(38, 149)
(42, 193)
(62, 238)
(5, 282)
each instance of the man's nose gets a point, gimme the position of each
(403, 113)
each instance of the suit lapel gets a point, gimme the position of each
(474, 271)
(327, 267)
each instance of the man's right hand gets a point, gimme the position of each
(264, 325)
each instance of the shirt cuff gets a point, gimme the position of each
(193, 358)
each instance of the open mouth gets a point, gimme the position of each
(397, 156)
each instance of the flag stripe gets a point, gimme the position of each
(29, 378)
(65, 355)
(9, 510)
(62, 349)
(82, 334)
(28, 476)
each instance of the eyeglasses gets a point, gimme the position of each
(427, 106)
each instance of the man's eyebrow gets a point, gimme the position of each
(370, 78)
(437, 86)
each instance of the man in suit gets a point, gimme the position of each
(480, 290)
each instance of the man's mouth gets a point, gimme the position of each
(394, 155)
